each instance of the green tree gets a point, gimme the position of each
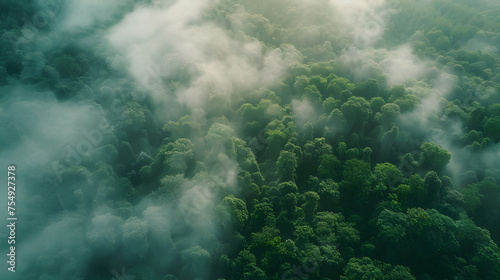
(388, 174)
(443, 43)
(367, 89)
(487, 260)
(484, 216)
(472, 198)
(392, 238)
(301, 82)
(196, 262)
(476, 117)
(376, 104)
(220, 139)
(310, 204)
(417, 193)
(264, 240)
(492, 128)
(329, 167)
(176, 156)
(356, 111)
(275, 139)
(330, 104)
(289, 204)
(329, 195)
(262, 215)
(366, 268)
(357, 181)
(303, 234)
(389, 113)
(287, 187)
(352, 153)
(308, 132)
(245, 262)
(400, 273)
(286, 165)
(67, 67)
(337, 85)
(431, 236)
(367, 155)
(407, 103)
(319, 82)
(135, 238)
(434, 157)
(433, 186)
(132, 118)
(337, 124)
(494, 110)
(313, 95)
(237, 210)
(395, 92)
(361, 269)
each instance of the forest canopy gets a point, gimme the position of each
(252, 139)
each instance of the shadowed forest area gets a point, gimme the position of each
(251, 139)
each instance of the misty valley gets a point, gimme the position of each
(250, 139)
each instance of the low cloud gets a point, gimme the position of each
(179, 39)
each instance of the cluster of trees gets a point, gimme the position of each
(315, 177)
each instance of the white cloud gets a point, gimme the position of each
(399, 65)
(176, 38)
(364, 20)
(303, 112)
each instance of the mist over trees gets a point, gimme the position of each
(252, 139)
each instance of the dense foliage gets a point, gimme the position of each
(371, 160)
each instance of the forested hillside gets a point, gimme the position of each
(252, 139)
